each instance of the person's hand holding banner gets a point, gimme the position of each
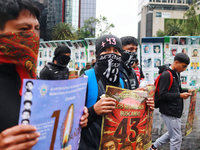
(104, 106)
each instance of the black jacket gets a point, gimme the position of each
(10, 98)
(127, 75)
(171, 104)
(54, 72)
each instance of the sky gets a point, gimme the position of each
(122, 13)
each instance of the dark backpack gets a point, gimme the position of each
(156, 83)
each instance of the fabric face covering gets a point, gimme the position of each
(63, 60)
(128, 57)
(109, 66)
(21, 49)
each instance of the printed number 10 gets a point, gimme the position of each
(56, 114)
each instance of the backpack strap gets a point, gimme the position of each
(121, 82)
(171, 80)
(92, 93)
(158, 78)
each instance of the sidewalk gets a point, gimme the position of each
(192, 141)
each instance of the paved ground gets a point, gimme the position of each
(190, 142)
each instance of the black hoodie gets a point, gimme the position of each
(171, 104)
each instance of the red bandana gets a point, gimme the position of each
(21, 49)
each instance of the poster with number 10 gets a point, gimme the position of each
(55, 108)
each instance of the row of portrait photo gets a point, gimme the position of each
(186, 81)
(151, 58)
(77, 62)
(191, 51)
(151, 63)
(82, 51)
(184, 41)
(149, 48)
(27, 103)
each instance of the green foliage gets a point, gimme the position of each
(103, 27)
(63, 31)
(93, 25)
(173, 27)
(189, 26)
(160, 33)
(88, 30)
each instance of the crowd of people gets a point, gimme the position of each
(116, 64)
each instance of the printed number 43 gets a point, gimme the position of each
(121, 131)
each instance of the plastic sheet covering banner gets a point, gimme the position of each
(190, 119)
(130, 123)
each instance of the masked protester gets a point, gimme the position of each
(105, 72)
(57, 69)
(129, 54)
(19, 45)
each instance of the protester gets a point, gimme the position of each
(19, 45)
(129, 46)
(88, 66)
(57, 69)
(93, 62)
(105, 72)
(138, 71)
(19, 34)
(171, 102)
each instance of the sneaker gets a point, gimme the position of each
(153, 147)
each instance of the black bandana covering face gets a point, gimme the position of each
(108, 65)
(128, 57)
(62, 60)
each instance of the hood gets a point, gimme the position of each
(164, 68)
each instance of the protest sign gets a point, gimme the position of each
(55, 108)
(190, 119)
(129, 124)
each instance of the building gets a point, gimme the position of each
(152, 14)
(74, 12)
(87, 10)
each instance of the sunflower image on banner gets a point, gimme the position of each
(130, 123)
(190, 119)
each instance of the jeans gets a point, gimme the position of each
(173, 135)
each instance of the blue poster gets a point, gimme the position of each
(55, 108)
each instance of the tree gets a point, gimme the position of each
(63, 31)
(192, 26)
(88, 30)
(173, 27)
(103, 27)
(93, 25)
(160, 33)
